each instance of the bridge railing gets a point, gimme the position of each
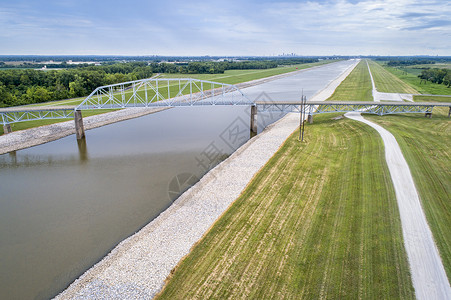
(25, 113)
(378, 108)
(164, 92)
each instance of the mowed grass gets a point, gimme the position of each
(386, 82)
(356, 87)
(429, 98)
(426, 145)
(320, 220)
(421, 87)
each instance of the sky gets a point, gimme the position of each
(225, 28)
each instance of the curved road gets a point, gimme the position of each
(428, 274)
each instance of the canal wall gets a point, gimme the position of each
(139, 265)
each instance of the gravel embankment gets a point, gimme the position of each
(138, 266)
(40, 135)
(428, 274)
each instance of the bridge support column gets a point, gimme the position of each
(254, 119)
(449, 113)
(79, 129)
(7, 128)
(428, 115)
(310, 119)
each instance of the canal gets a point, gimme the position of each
(64, 205)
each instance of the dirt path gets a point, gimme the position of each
(375, 98)
(428, 274)
(378, 96)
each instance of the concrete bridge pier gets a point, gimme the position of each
(428, 115)
(79, 129)
(310, 119)
(254, 118)
(7, 128)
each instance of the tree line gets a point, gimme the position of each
(439, 76)
(410, 62)
(28, 86)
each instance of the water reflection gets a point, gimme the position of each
(13, 156)
(83, 149)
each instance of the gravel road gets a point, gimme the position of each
(428, 274)
(378, 96)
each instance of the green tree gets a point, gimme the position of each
(76, 88)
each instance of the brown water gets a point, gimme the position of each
(64, 205)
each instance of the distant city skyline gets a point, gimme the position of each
(225, 28)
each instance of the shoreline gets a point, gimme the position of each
(138, 266)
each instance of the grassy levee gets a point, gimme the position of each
(420, 86)
(356, 87)
(386, 82)
(426, 145)
(229, 76)
(428, 98)
(320, 220)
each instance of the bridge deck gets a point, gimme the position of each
(35, 108)
(385, 103)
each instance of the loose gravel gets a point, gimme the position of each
(138, 266)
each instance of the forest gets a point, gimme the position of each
(439, 76)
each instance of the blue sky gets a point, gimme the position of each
(246, 27)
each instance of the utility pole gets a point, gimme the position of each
(302, 117)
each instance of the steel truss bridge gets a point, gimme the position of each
(32, 113)
(167, 92)
(174, 92)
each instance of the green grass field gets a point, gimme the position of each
(229, 76)
(320, 220)
(356, 87)
(386, 82)
(432, 98)
(412, 80)
(426, 145)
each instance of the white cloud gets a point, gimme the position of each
(232, 28)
